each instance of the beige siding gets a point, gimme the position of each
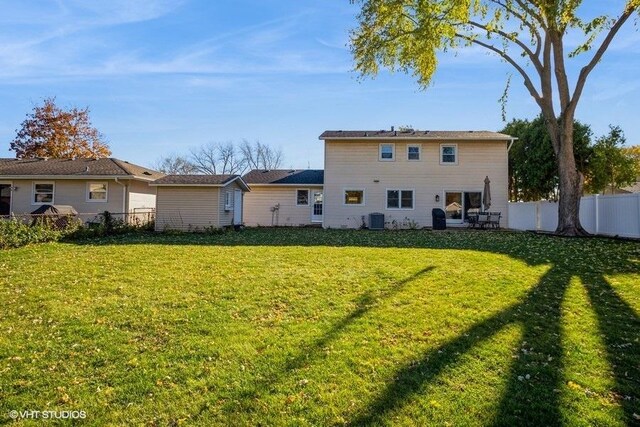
(260, 201)
(355, 164)
(187, 208)
(68, 192)
(141, 196)
(226, 216)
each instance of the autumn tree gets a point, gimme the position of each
(50, 131)
(529, 35)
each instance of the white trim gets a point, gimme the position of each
(400, 190)
(393, 152)
(315, 221)
(457, 155)
(33, 193)
(88, 198)
(419, 146)
(308, 196)
(345, 189)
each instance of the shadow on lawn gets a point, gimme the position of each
(533, 401)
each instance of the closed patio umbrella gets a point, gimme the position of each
(486, 194)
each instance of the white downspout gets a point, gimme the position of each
(125, 191)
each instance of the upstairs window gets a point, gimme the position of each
(413, 152)
(449, 154)
(387, 152)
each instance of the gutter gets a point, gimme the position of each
(511, 143)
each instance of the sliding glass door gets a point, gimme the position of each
(458, 203)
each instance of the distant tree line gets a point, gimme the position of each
(605, 163)
(222, 158)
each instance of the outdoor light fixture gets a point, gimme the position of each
(437, 198)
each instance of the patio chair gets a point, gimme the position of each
(494, 219)
(483, 219)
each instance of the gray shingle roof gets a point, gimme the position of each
(71, 167)
(285, 176)
(213, 180)
(414, 134)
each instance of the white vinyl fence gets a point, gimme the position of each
(611, 215)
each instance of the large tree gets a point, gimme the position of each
(50, 131)
(529, 35)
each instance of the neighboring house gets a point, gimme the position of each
(283, 197)
(91, 186)
(405, 174)
(198, 202)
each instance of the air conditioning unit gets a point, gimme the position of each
(376, 221)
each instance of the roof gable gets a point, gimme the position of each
(199, 181)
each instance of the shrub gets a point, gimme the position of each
(15, 233)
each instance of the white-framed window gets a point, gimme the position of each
(353, 196)
(302, 197)
(43, 193)
(97, 191)
(414, 152)
(448, 154)
(387, 152)
(399, 199)
(228, 201)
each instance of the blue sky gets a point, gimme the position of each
(163, 76)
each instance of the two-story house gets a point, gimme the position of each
(405, 174)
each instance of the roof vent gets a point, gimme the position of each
(292, 171)
(265, 171)
(86, 169)
(146, 173)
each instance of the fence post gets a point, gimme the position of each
(597, 216)
(537, 205)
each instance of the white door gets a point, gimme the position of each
(237, 207)
(316, 207)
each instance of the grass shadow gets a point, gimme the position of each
(412, 379)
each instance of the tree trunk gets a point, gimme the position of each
(570, 185)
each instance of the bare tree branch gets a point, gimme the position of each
(527, 80)
(584, 73)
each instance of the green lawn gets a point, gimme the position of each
(324, 327)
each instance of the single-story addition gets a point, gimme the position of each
(199, 202)
(91, 186)
(283, 197)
